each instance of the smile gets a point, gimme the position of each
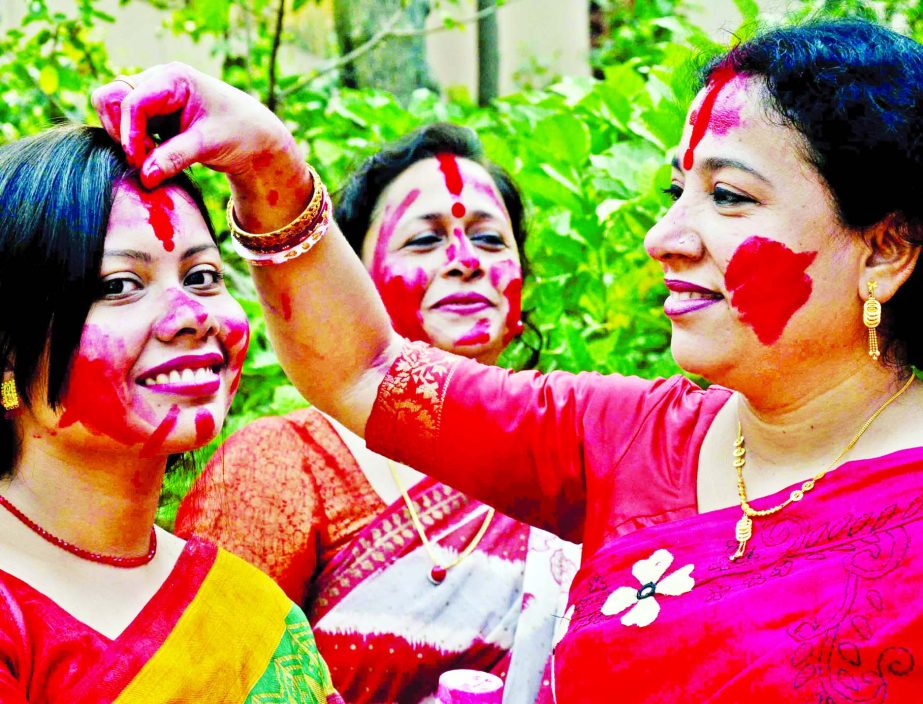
(187, 376)
(686, 297)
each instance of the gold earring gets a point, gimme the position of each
(871, 316)
(8, 396)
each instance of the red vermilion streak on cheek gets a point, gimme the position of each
(97, 395)
(159, 206)
(402, 293)
(506, 276)
(204, 427)
(767, 283)
(155, 442)
(236, 336)
(479, 334)
(720, 78)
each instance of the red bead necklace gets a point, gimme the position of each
(112, 560)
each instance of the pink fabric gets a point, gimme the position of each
(824, 608)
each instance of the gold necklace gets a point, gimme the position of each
(439, 571)
(744, 528)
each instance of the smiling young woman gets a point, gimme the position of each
(729, 551)
(120, 347)
(441, 232)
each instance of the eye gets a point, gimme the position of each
(723, 196)
(204, 278)
(488, 239)
(424, 240)
(674, 191)
(120, 286)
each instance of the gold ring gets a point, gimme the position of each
(122, 79)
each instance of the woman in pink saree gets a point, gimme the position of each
(760, 538)
(304, 500)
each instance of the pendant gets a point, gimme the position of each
(437, 574)
(742, 533)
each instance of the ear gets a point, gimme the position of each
(891, 258)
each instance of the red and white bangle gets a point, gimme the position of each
(288, 242)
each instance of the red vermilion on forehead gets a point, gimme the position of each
(701, 118)
(449, 167)
(154, 444)
(767, 283)
(159, 207)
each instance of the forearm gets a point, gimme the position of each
(329, 328)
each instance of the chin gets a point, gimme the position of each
(706, 358)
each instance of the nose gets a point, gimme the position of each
(184, 316)
(673, 236)
(462, 259)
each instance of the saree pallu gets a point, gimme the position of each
(823, 608)
(388, 633)
(218, 630)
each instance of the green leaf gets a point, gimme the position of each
(48, 80)
(748, 9)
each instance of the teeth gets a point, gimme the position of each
(175, 377)
(182, 376)
(162, 379)
(187, 375)
(202, 374)
(690, 295)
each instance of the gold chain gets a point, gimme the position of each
(415, 519)
(744, 527)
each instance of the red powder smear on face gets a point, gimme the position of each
(159, 206)
(491, 192)
(767, 283)
(448, 164)
(236, 334)
(286, 302)
(155, 442)
(182, 309)
(465, 255)
(477, 335)
(272, 197)
(386, 231)
(506, 276)
(97, 395)
(720, 78)
(402, 293)
(458, 210)
(204, 427)
(262, 160)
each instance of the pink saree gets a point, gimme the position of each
(822, 608)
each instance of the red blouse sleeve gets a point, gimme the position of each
(516, 441)
(13, 652)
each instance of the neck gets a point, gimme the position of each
(810, 429)
(104, 503)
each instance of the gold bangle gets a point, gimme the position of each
(284, 237)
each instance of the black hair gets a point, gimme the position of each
(854, 92)
(357, 199)
(56, 194)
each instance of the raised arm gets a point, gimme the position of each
(326, 322)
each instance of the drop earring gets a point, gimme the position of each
(9, 397)
(871, 316)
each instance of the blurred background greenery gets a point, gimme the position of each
(589, 151)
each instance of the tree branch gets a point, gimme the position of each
(271, 99)
(388, 31)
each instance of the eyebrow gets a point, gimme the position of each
(715, 163)
(147, 258)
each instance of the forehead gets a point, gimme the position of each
(742, 125)
(149, 219)
(479, 192)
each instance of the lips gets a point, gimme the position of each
(686, 297)
(463, 303)
(189, 375)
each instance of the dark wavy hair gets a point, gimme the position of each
(854, 91)
(356, 201)
(56, 194)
